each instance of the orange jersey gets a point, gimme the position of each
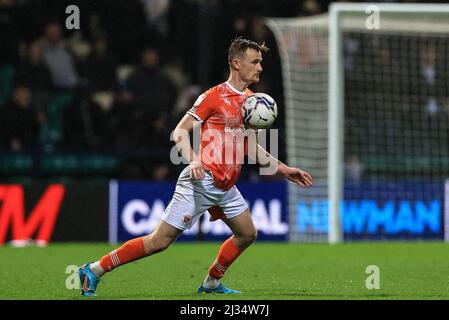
(219, 110)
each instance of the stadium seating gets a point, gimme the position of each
(79, 164)
(16, 164)
(52, 131)
(383, 166)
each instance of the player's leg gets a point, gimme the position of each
(159, 240)
(186, 206)
(244, 233)
(243, 229)
(137, 248)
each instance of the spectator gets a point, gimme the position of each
(9, 33)
(74, 121)
(34, 74)
(125, 35)
(126, 122)
(428, 74)
(156, 13)
(311, 8)
(161, 172)
(58, 58)
(153, 92)
(353, 169)
(100, 67)
(241, 27)
(19, 126)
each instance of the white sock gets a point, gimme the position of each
(210, 283)
(96, 268)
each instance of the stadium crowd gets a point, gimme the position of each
(397, 106)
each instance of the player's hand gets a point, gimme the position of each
(197, 170)
(298, 176)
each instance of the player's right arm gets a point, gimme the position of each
(201, 110)
(181, 136)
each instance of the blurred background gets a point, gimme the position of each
(101, 101)
(98, 103)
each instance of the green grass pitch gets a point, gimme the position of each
(266, 271)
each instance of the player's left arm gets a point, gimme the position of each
(296, 175)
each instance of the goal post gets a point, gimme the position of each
(336, 114)
(325, 94)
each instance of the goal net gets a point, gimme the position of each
(367, 113)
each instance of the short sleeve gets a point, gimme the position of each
(203, 107)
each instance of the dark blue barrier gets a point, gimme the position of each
(412, 210)
(136, 207)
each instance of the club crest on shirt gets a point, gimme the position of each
(234, 125)
(187, 218)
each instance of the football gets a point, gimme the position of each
(259, 111)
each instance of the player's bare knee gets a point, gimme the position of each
(248, 237)
(160, 245)
(155, 244)
(252, 236)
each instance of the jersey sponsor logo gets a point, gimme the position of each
(41, 220)
(234, 125)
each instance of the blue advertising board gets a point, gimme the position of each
(400, 210)
(136, 208)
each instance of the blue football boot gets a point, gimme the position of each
(220, 289)
(88, 281)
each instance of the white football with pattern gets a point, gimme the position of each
(259, 111)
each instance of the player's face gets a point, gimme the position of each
(250, 66)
